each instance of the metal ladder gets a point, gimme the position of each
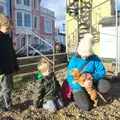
(78, 10)
(83, 17)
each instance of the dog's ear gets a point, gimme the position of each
(74, 72)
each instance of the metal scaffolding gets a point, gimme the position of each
(117, 42)
(27, 45)
(117, 31)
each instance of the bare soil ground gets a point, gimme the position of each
(22, 97)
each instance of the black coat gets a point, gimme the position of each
(8, 60)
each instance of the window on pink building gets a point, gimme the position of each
(36, 22)
(47, 26)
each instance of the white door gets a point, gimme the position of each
(108, 42)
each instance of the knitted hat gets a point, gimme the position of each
(85, 46)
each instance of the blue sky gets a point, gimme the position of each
(118, 4)
(59, 7)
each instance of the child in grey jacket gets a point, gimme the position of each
(48, 91)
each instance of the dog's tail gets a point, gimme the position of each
(101, 96)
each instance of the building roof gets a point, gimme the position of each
(109, 21)
(47, 11)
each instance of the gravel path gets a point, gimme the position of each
(22, 96)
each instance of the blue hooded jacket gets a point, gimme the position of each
(94, 67)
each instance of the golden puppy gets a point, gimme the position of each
(81, 78)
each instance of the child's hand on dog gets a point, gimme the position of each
(89, 76)
(88, 83)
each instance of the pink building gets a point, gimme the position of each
(29, 15)
(47, 21)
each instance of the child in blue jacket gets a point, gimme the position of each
(94, 66)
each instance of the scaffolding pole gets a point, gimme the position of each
(116, 4)
(27, 43)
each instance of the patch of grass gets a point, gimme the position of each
(18, 83)
(17, 79)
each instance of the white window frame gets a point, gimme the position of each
(23, 20)
(19, 6)
(16, 18)
(37, 40)
(22, 42)
(18, 3)
(27, 5)
(37, 22)
(30, 19)
(34, 4)
(2, 8)
(44, 25)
